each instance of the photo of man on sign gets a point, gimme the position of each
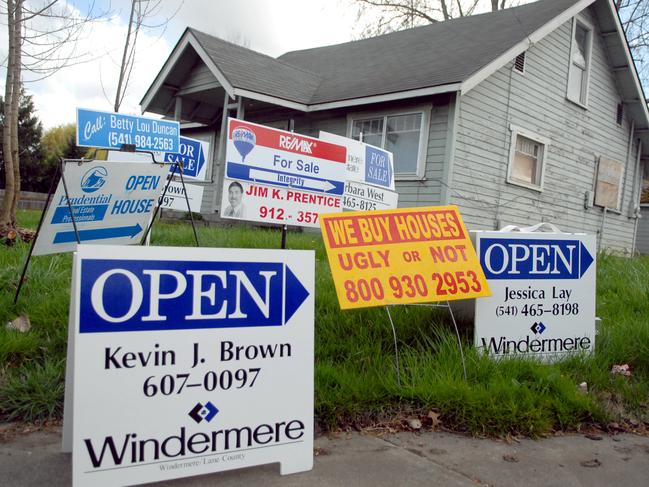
(235, 197)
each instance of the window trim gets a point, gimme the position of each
(425, 111)
(578, 19)
(515, 132)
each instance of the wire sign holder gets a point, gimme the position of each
(426, 305)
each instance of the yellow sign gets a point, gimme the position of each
(411, 255)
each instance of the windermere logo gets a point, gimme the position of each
(538, 328)
(133, 449)
(202, 412)
(504, 346)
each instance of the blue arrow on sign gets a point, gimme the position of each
(191, 156)
(188, 295)
(516, 258)
(97, 234)
(279, 178)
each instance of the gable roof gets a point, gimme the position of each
(433, 55)
(448, 56)
(243, 68)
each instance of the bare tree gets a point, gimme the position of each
(43, 38)
(141, 17)
(634, 15)
(382, 16)
(10, 132)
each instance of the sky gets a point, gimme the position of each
(271, 27)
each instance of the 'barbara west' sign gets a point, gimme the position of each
(211, 352)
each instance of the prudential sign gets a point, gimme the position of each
(104, 204)
(196, 361)
(543, 301)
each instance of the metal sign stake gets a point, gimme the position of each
(53, 184)
(283, 237)
(396, 347)
(67, 200)
(155, 211)
(189, 209)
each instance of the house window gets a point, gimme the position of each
(527, 159)
(579, 71)
(402, 134)
(608, 185)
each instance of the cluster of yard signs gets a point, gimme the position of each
(211, 353)
(275, 176)
(191, 159)
(112, 201)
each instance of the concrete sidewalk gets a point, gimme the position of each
(403, 459)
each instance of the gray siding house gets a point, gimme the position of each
(530, 114)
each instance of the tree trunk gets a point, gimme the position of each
(15, 110)
(122, 67)
(6, 217)
(444, 9)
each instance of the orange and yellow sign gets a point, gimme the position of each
(410, 255)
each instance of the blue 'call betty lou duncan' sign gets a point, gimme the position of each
(106, 130)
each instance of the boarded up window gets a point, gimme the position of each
(609, 183)
(644, 195)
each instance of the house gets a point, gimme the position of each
(530, 114)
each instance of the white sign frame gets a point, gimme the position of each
(543, 301)
(362, 194)
(102, 197)
(280, 177)
(174, 199)
(102, 370)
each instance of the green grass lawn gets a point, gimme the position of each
(355, 377)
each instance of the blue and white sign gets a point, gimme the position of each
(110, 203)
(174, 199)
(193, 156)
(534, 258)
(275, 176)
(365, 163)
(370, 175)
(543, 301)
(108, 130)
(214, 347)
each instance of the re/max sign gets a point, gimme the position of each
(508, 258)
(129, 295)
